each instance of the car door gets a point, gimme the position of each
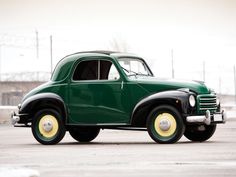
(97, 94)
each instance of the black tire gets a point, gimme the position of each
(49, 137)
(84, 134)
(165, 135)
(199, 133)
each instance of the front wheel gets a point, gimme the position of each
(199, 132)
(165, 124)
(47, 127)
(84, 134)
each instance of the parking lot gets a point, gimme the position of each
(120, 153)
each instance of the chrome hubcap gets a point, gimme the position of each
(164, 125)
(47, 126)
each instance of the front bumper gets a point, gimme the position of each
(17, 118)
(14, 118)
(208, 118)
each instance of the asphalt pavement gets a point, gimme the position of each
(118, 153)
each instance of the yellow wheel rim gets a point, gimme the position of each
(48, 126)
(169, 126)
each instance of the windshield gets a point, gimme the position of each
(134, 67)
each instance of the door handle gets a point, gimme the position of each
(122, 85)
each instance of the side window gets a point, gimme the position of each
(113, 73)
(108, 71)
(96, 70)
(86, 70)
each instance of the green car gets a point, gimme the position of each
(94, 90)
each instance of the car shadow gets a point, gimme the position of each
(126, 143)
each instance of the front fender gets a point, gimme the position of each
(39, 101)
(175, 98)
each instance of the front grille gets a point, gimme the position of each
(207, 102)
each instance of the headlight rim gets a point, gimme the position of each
(192, 101)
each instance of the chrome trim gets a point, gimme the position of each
(207, 102)
(207, 99)
(224, 116)
(202, 109)
(192, 100)
(14, 118)
(19, 106)
(206, 119)
(200, 119)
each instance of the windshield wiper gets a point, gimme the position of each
(141, 74)
(129, 71)
(134, 73)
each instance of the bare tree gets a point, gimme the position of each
(118, 44)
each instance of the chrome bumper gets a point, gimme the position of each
(208, 118)
(14, 118)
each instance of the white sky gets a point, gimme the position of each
(197, 30)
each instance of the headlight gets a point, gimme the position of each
(19, 106)
(192, 100)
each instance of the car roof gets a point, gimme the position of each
(65, 63)
(103, 52)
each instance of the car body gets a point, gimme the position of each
(94, 90)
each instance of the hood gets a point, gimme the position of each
(36, 90)
(153, 84)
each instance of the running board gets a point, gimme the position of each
(125, 128)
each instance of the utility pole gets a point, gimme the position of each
(51, 51)
(204, 70)
(220, 86)
(172, 63)
(235, 83)
(37, 44)
(0, 62)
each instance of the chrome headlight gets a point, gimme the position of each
(192, 101)
(19, 106)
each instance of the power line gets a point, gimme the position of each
(204, 70)
(235, 82)
(37, 44)
(17, 46)
(22, 41)
(51, 51)
(0, 61)
(7, 36)
(172, 63)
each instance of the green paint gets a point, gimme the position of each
(104, 101)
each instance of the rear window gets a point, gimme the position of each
(86, 70)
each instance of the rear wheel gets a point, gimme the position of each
(47, 127)
(199, 132)
(84, 134)
(165, 124)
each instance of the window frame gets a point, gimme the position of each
(138, 59)
(99, 67)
